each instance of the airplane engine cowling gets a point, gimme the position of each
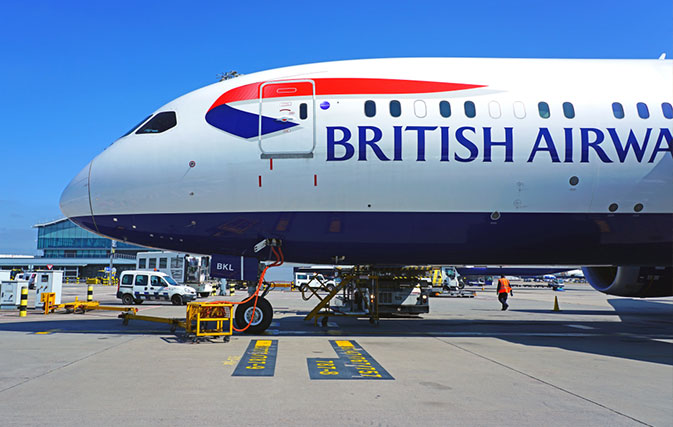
(631, 281)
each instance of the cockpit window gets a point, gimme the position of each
(159, 123)
(136, 126)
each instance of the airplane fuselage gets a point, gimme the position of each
(403, 161)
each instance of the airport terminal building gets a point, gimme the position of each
(78, 252)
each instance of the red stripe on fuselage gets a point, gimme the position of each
(339, 86)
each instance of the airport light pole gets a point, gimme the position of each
(113, 247)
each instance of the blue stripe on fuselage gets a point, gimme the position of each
(243, 124)
(409, 237)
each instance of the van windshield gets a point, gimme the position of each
(170, 281)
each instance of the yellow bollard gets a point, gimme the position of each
(24, 302)
(556, 307)
(232, 289)
(89, 293)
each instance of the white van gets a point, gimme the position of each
(312, 280)
(190, 270)
(137, 286)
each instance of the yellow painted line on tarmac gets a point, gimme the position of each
(46, 332)
(231, 360)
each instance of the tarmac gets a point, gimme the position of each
(601, 360)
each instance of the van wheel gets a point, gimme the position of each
(263, 315)
(127, 299)
(176, 300)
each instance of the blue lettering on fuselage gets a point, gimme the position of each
(606, 146)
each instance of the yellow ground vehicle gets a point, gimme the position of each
(102, 278)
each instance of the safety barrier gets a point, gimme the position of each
(282, 285)
(89, 281)
(24, 302)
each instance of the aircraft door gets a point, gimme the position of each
(287, 119)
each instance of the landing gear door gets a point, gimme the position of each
(287, 119)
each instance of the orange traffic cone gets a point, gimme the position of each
(556, 307)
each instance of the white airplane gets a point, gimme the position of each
(407, 161)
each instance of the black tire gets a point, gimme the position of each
(259, 325)
(127, 299)
(176, 299)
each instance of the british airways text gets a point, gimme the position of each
(467, 144)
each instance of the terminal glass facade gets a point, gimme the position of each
(64, 239)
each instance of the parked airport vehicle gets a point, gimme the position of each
(103, 277)
(445, 278)
(538, 161)
(190, 270)
(138, 286)
(312, 280)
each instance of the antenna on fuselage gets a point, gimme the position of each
(228, 75)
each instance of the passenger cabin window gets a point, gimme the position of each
(519, 110)
(445, 108)
(370, 108)
(420, 109)
(136, 126)
(470, 110)
(643, 112)
(543, 109)
(303, 111)
(141, 280)
(568, 110)
(395, 108)
(127, 279)
(159, 123)
(667, 109)
(617, 110)
(494, 109)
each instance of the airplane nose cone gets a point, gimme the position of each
(75, 198)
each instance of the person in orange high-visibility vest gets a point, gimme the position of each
(503, 290)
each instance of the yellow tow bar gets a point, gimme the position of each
(48, 299)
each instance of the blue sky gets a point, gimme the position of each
(74, 76)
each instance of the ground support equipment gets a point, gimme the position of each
(455, 293)
(372, 292)
(203, 319)
(82, 307)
